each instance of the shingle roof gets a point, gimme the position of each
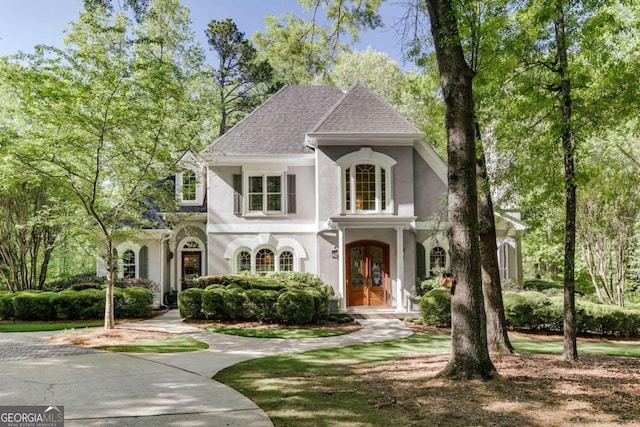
(362, 111)
(280, 124)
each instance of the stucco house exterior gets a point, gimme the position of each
(315, 180)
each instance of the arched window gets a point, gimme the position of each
(244, 262)
(286, 261)
(265, 261)
(365, 188)
(437, 260)
(367, 178)
(128, 264)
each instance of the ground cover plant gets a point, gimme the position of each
(393, 383)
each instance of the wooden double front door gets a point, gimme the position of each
(367, 273)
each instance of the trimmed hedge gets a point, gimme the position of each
(534, 310)
(84, 304)
(6, 305)
(258, 297)
(435, 307)
(190, 303)
(261, 305)
(295, 307)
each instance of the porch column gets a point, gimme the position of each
(341, 280)
(399, 268)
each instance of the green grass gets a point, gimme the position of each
(321, 388)
(46, 326)
(296, 333)
(175, 344)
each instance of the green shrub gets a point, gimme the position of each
(213, 302)
(435, 307)
(138, 303)
(34, 306)
(150, 285)
(261, 304)
(83, 286)
(295, 307)
(517, 311)
(190, 303)
(425, 285)
(6, 305)
(62, 284)
(235, 303)
(540, 285)
(321, 305)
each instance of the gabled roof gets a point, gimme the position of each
(280, 124)
(361, 111)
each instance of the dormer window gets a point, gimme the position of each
(366, 182)
(189, 186)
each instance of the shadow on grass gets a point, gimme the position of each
(380, 384)
(176, 344)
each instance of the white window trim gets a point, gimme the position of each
(199, 188)
(122, 248)
(181, 249)
(366, 156)
(283, 193)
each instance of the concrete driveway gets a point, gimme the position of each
(100, 388)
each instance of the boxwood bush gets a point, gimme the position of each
(435, 307)
(34, 306)
(213, 302)
(138, 303)
(295, 307)
(255, 297)
(190, 303)
(533, 310)
(6, 305)
(261, 305)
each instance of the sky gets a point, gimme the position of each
(26, 23)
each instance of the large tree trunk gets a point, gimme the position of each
(570, 344)
(469, 352)
(497, 337)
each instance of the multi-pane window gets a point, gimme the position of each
(244, 262)
(437, 260)
(286, 261)
(365, 188)
(265, 261)
(264, 193)
(129, 264)
(189, 185)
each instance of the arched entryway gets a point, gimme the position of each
(367, 273)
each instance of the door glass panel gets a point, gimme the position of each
(191, 266)
(357, 267)
(377, 274)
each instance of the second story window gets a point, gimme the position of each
(365, 188)
(367, 182)
(189, 185)
(265, 193)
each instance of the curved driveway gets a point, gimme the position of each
(100, 388)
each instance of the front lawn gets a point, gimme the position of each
(173, 344)
(392, 383)
(46, 326)
(277, 332)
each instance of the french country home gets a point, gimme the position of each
(314, 180)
